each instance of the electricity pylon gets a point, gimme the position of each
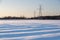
(34, 13)
(40, 11)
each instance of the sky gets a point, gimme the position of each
(27, 7)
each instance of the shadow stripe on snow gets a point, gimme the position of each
(24, 30)
(25, 34)
(45, 30)
(15, 29)
(30, 31)
(33, 36)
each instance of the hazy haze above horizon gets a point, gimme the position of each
(27, 7)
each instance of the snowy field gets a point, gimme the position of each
(29, 29)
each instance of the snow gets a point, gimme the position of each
(29, 29)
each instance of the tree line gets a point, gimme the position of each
(39, 17)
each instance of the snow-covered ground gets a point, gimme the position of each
(29, 29)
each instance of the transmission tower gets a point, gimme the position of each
(40, 11)
(34, 13)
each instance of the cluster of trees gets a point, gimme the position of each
(39, 17)
(9, 17)
(47, 17)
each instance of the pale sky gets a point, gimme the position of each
(27, 7)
